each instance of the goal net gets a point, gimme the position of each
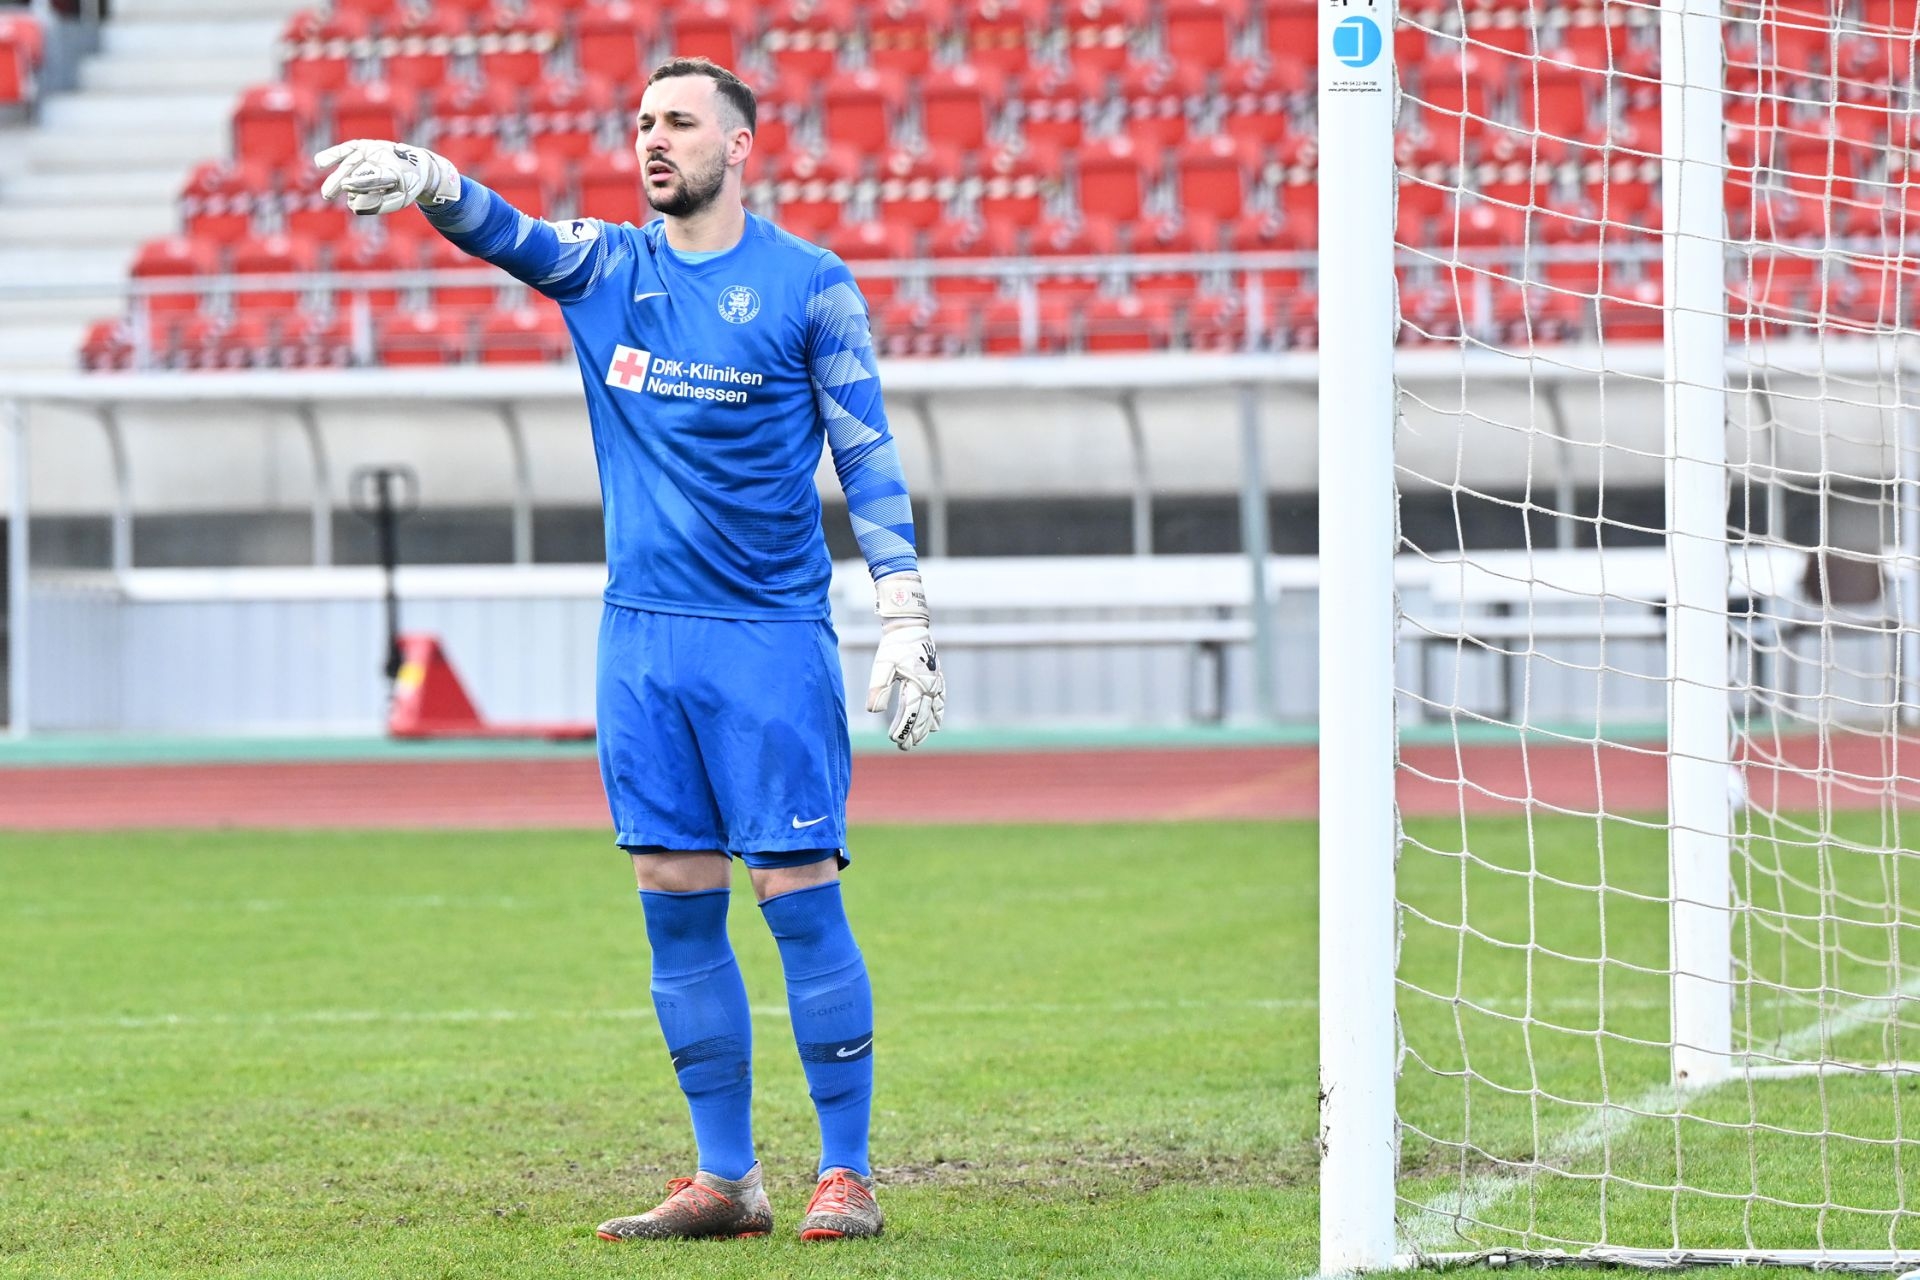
(1649, 901)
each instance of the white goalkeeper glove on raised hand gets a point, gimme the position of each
(385, 177)
(906, 671)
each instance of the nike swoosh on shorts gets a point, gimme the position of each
(798, 825)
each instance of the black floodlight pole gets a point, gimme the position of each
(382, 495)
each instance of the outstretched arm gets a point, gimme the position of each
(563, 260)
(846, 392)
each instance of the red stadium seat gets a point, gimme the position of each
(1878, 295)
(514, 42)
(462, 299)
(377, 110)
(1003, 325)
(1014, 186)
(1216, 322)
(961, 239)
(610, 38)
(804, 37)
(1130, 322)
(273, 124)
(272, 255)
(189, 344)
(524, 334)
(1211, 174)
(897, 324)
(1113, 179)
(1087, 238)
(1632, 313)
(1197, 233)
(1098, 33)
(243, 342)
(859, 109)
(1257, 105)
(107, 346)
(370, 255)
(317, 50)
(957, 106)
(1477, 224)
(1597, 35)
(219, 199)
(1001, 33)
(1199, 32)
(170, 257)
(901, 34)
(22, 48)
(812, 189)
(530, 181)
(957, 238)
(1060, 239)
(916, 188)
(421, 337)
(468, 118)
(417, 50)
(861, 243)
(1159, 96)
(1293, 30)
(1558, 103)
(1053, 106)
(304, 214)
(307, 340)
(567, 115)
(610, 187)
(713, 29)
(1456, 84)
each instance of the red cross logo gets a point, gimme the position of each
(629, 368)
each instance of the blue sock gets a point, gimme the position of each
(831, 1004)
(702, 1005)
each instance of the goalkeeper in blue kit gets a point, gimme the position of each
(718, 352)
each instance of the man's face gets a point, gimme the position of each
(683, 144)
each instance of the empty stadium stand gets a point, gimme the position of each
(1014, 152)
(97, 170)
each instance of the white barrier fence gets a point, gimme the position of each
(152, 649)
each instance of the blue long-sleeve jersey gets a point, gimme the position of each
(710, 385)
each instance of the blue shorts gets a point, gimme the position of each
(721, 733)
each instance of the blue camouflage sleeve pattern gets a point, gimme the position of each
(846, 392)
(563, 260)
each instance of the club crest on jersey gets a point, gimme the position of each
(738, 304)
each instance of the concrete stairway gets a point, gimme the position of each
(100, 172)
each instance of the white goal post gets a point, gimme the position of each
(1619, 991)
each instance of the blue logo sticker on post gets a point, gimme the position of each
(1356, 42)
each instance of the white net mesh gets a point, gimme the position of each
(1536, 975)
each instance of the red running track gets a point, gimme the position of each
(1038, 786)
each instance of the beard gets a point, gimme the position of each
(695, 190)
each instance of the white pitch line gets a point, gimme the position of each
(256, 906)
(773, 1013)
(1439, 1219)
(777, 1013)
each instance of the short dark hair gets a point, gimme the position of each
(728, 85)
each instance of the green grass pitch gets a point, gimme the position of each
(254, 1054)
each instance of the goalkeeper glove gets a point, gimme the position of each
(384, 177)
(905, 669)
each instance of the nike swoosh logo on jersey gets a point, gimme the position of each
(848, 1053)
(797, 824)
(642, 297)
